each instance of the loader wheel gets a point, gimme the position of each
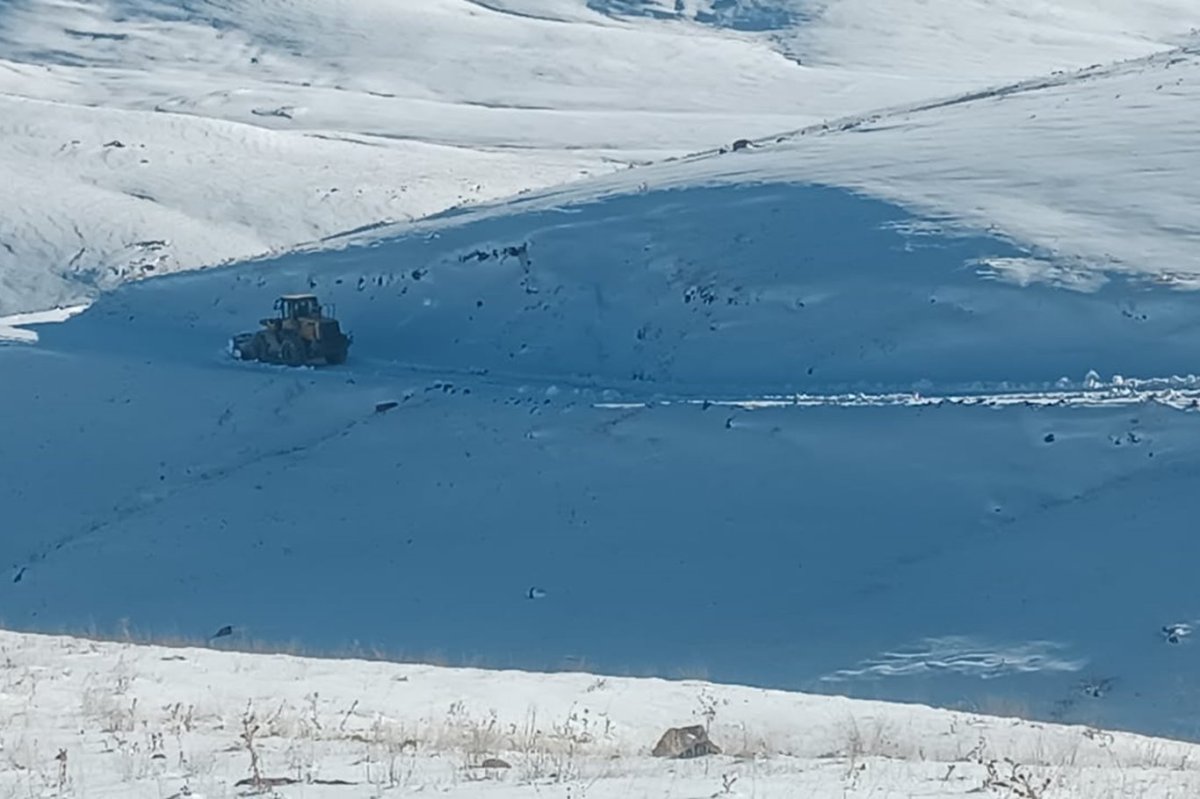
(291, 352)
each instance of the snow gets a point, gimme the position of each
(617, 407)
(1105, 160)
(989, 41)
(252, 130)
(119, 720)
(115, 207)
(897, 405)
(250, 134)
(11, 327)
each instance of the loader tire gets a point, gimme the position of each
(291, 352)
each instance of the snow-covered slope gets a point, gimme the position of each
(93, 205)
(142, 137)
(152, 137)
(714, 416)
(1095, 169)
(910, 549)
(114, 720)
(982, 41)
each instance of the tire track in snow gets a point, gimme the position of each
(1180, 392)
(207, 477)
(1185, 399)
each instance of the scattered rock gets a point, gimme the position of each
(1049, 439)
(1097, 688)
(685, 742)
(283, 111)
(265, 782)
(494, 762)
(519, 251)
(386, 405)
(1175, 633)
(741, 144)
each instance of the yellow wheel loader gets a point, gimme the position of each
(302, 334)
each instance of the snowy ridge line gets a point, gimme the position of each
(1054, 80)
(1177, 398)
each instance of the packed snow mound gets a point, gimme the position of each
(143, 722)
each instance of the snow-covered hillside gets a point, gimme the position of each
(86, 719)
(899, 405)
(148, 137)
(151, 136)
(1095, 169)
(943, 551)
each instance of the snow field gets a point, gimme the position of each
(254, 130)
(87, 718)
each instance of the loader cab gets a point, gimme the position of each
(298, 306)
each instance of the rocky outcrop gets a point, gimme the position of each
(685, 742)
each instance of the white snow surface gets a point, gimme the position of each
(13, 328)
(148, 136)
(899, 405)
(777, 434)
(88, 719)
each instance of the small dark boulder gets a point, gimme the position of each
(682, 743)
